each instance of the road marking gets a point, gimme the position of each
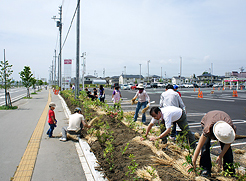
(208, 98)
(234, 122)
(235, 144)
(25, 169)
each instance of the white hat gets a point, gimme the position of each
(140, 86)
(224, 132)
(52, 104)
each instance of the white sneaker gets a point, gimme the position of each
(63, 139)
(172, 138)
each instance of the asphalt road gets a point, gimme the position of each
(197, 107)
(15, 94)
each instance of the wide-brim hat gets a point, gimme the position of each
(224, 132)
(52, 104)
(140, 86)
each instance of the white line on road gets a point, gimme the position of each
(209, 99)
(235, 144)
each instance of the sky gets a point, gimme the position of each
(118, 36)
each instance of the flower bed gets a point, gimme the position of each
(115, 141)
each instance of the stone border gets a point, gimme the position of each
(87, 158)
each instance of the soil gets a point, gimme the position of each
(122, 135)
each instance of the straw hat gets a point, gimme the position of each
(52, 104)
(224, 132)
(140, 86)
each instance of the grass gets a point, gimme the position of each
(33, 93)
(27, 97)
(8, 107)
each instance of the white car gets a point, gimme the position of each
(161, 85)
(188, 85)
(125, 87)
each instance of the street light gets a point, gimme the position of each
(148, 69)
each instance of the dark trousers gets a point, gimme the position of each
(183, 124)
(205, 161)
(174, 133)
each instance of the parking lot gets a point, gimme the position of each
(197, 107)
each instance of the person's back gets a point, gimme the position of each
(171, 98)
(75, 122)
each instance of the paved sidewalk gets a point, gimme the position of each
(57, 160)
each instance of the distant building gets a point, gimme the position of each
(178, 80)
(209, 78)
(125, 79)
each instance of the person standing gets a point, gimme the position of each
(175, 88)
(216, 125)
(101, 93)
(143, 101)
(116, 96)
(171, 98)
(52, 119)
(76, 124)
(167, 116)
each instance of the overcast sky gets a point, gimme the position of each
(115, 34)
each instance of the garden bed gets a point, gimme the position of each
(115, 141)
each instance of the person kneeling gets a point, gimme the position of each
(76, 123)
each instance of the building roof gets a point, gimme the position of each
(90, 76)
(131, 76)
(207, 75)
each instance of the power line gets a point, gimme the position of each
(70, 24)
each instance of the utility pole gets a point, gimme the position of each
(180, 69)
(77, 52)
(55, 69)
(161, 75)
(211, 73)
(5, 85)
(140, 74)
(125, 74)
(103, 72)
(83, 71)
(59, 24)
(148, 69)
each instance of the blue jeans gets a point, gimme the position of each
(139, 105)
(50, 131)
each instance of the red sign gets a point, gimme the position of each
(67, 61)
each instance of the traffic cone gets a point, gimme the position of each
(241, 87)
(223, 88)
(234, 94)
(213, 88)
(218, 88)
(200, 94)
(194, 89)
(199, 89)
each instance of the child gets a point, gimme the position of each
(116, 96)
(143, 101)
(52, 119)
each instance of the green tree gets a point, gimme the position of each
(26, 76)
(40, 82)
(5, 73)
(33, 83)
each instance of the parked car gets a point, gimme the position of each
(147, 85)
(154, 85)
(134, 86)
(188, 85)
(195, 85)
(217, 85)
(124, 87)
(114, 85)
(161, 85)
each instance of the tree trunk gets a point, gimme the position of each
(28, 94)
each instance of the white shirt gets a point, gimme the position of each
(171, 98)
(75, 121)
(170, 114)
(143, 96)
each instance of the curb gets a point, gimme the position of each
(87, 158)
